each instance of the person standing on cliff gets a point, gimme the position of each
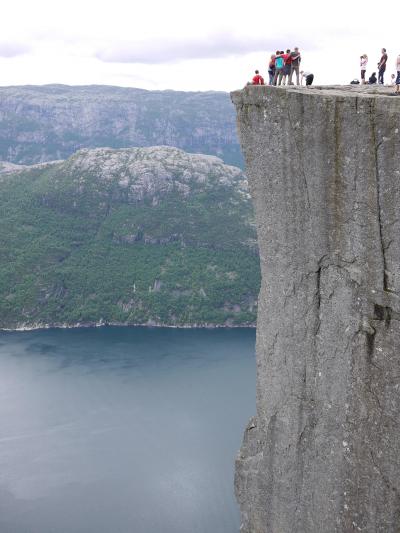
(397, 82)
(287, 67)
(382, 66)
(295, 66)
(279, 66)
(363, 66)
(271, 69)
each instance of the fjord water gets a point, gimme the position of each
(122, 430)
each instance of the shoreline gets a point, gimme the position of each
(102, 324)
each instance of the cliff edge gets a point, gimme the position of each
(322, 453)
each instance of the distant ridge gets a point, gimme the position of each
(49, 122)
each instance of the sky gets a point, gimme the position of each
(186, 45)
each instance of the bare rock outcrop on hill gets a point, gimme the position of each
(322, 454)
(134, 236)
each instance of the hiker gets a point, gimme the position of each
(279, 64)
(271, 69)
(295, 65)
(287, 67)
(363, 66)
(257, 79)
(382, 66)
(308, 76)
(372, 79)
(397, 91)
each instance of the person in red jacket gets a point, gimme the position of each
(287, 67)
(258, 79)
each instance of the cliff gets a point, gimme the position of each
(43, 123)
(128, 236)
(322, 453)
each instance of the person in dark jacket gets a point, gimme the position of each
(308, 77)
(382, 66)
(372, 79)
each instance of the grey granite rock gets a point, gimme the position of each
(322, 453)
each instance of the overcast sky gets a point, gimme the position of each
(185, 45)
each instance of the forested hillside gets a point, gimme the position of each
(131, 236)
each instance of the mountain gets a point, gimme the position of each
(42, 123)
(131, 236)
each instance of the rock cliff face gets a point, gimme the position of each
(322, 453)
(43, 123)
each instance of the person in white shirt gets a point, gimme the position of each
(363, 66)
(397, 82)
(308, 76)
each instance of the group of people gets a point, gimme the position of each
(281, 68)
(283, 65)
(381, 71)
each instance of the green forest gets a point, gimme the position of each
(130, 236)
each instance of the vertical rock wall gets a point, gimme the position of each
(322, 453)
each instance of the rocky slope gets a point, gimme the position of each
(322, 453)
(132, 236)
(10, 168)
(42, 123)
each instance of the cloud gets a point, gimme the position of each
(172, 51)
(10, 49)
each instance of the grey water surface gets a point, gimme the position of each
(122, 430)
